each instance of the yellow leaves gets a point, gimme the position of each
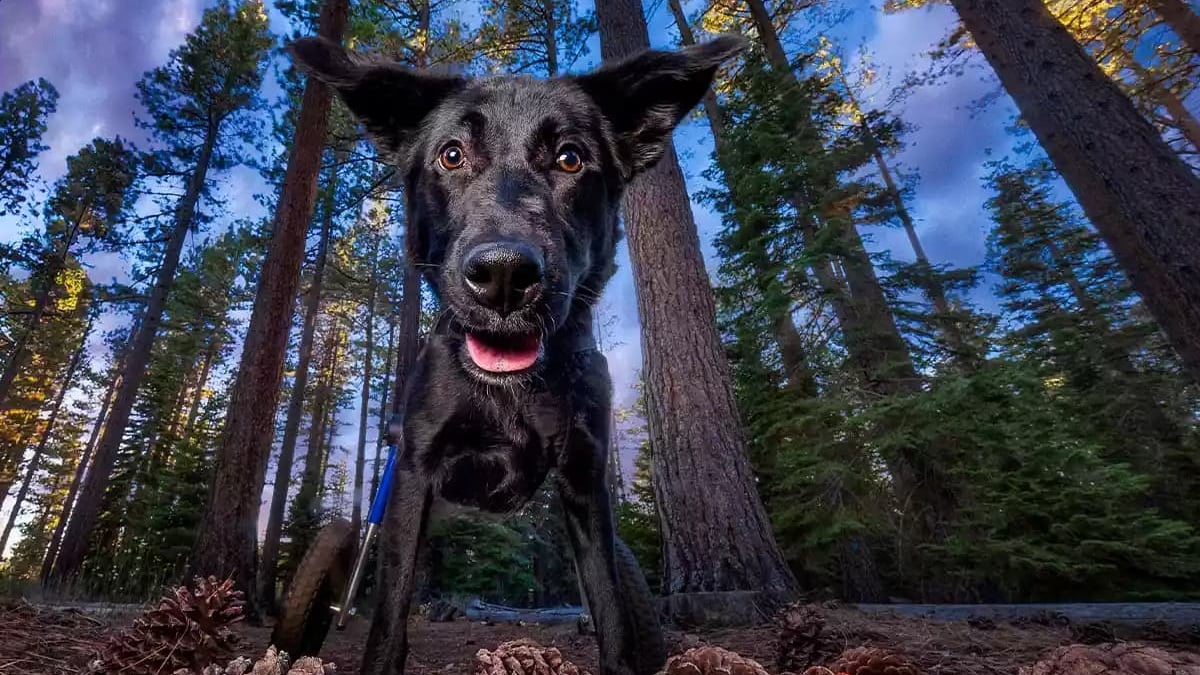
(1054, 382)
(72, 281)
(891, 6)
(253, 11)
(719, 18)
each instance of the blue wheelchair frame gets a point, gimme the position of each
(345, 609)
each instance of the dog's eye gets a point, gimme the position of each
(569, 159)
(452, 157)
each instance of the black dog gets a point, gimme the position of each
(513, 187)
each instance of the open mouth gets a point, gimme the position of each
(503, 354)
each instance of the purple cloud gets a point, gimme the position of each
(94, 53)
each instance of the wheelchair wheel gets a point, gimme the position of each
(320, 580)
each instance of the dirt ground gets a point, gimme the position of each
(37, 641)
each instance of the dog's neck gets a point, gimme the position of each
(577, 334)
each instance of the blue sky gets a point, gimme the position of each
(94, 51)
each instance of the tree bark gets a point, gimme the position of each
(360, 461)
(716, 536)
(226, 542)
(193, 413)
(76, 542)
(964, 355)
(1182, 19)
(81, 470)
(35, 461)
(269, 569)
(800, 376)
(1139, 194)
(381, 442)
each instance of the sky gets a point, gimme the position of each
(94, 51)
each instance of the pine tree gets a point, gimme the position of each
(1080, 327)
(196, 107)
(542, 37)
(663, 243)
(147, 523)
(23, 114)
(38, 457)
(84, 207)
(227, 536)
(1143, 207)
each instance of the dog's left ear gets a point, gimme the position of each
(390, 101)
(645, 96)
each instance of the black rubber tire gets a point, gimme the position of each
(321, 578)
(643, 610)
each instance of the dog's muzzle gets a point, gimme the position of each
(503, 277)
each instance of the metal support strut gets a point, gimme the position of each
(345, 609)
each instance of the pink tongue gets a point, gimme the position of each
(503, 358)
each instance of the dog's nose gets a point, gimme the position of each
(504, 276)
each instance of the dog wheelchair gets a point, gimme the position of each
(322, 593)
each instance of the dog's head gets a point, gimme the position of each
(513, 184)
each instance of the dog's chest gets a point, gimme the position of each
(492, 465)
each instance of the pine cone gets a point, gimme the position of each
(873, 661)
(711, 661)
(524, 657)
(818, 670)
(188, 630)
(1127, 658)
(802, 641)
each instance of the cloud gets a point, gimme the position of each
(947, 147)
(93, 53)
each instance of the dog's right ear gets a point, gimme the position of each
(390, 101)
(646, 95)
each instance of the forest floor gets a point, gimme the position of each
(39, 641)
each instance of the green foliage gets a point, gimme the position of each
(637, 521)
(478, 556)
(23, 114)
(156, 497)
(1057, 469)
(544, 38)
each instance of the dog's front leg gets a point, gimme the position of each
(590, 528)
(589, 519)
(402, 537)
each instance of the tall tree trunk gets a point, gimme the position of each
(308, 498)
(717, 538)
(35, 462)
(1183, 20)
(269, 569)
(81, 469)
(964, 355)
(800, 376)
(360, 461)
(227, 538)
(550, 33)
(381, 442)
(1133, 187)
(76, 542)
(193, 414)
(1181, 118)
